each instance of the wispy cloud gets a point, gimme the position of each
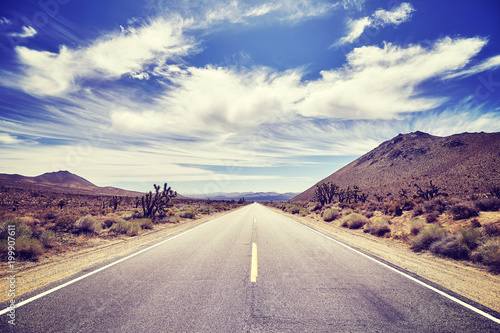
(4, 20)
(488, 64)
(379, 19)
(26, 33)
(129, 51)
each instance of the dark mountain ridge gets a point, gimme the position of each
(462, 164)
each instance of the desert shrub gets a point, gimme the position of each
(126, 227)
(428, 235)
(418, 210)
(330, 214)
(450, 246)
(87, 224)
(395, 209)
(407, 204)
(461, 212)
(489, 254)
(48, 238)
(368, 214)
(492, 229)
(294, 209)
(470, 237)
(416, 225)
(474, 223)
(111, 219)
(21, 229)
(431, 217)
(145, 223)
(354, 221)
(187, 212)
(314, 206)
(29, 248)
(378, 227)
(64, 222)
(435, 206)
(488, 204)
(50, 215)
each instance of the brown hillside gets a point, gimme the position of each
(61, 182)
(462, 164)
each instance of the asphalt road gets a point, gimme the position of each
(201, 281)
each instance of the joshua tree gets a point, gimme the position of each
(115, 201)
(157, 202)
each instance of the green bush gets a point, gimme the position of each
(330, 214)
(428, 235)
(126, 227)
(354, 221)
(489, 254)
(378, 227)
(294, 209)
(145, 223)
(111, 219)
(470, 237)
(87, 224)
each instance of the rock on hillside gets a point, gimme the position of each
(462, 164)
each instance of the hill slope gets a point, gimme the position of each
(462, 164)
(62, 182)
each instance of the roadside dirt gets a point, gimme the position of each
(34, 275)
(464, 278)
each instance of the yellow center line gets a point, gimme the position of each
(253, 270)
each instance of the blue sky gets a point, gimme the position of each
(223, 96)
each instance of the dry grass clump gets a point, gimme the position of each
(416, 225)
(428, 235)
(354, 221)
(25, 247)
(378, 227)
(492, 229)
(459, 245)
(48, 238)
(126, 227)
(87, 224)
(187, 212)
(330, 214)
(145, 223)
(489, 254)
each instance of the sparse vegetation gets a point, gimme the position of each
(378, 227)
(87, 224)
(330, 214)
(462, 212)
(354, 221)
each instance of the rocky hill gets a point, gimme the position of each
(462, 164)
(61, 182)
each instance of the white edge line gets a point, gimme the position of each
(45, 293)
(468, 306)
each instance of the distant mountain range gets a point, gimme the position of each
(248, 196)
(462, 164)
(63, 181)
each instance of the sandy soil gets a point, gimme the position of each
(34, 275)
(464, 278)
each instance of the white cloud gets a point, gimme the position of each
(380, 83)
(380, 18)
(488, 64)
(8, 139)
(356, 28)
(26, 33)
(397, 16)
(110, 57)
